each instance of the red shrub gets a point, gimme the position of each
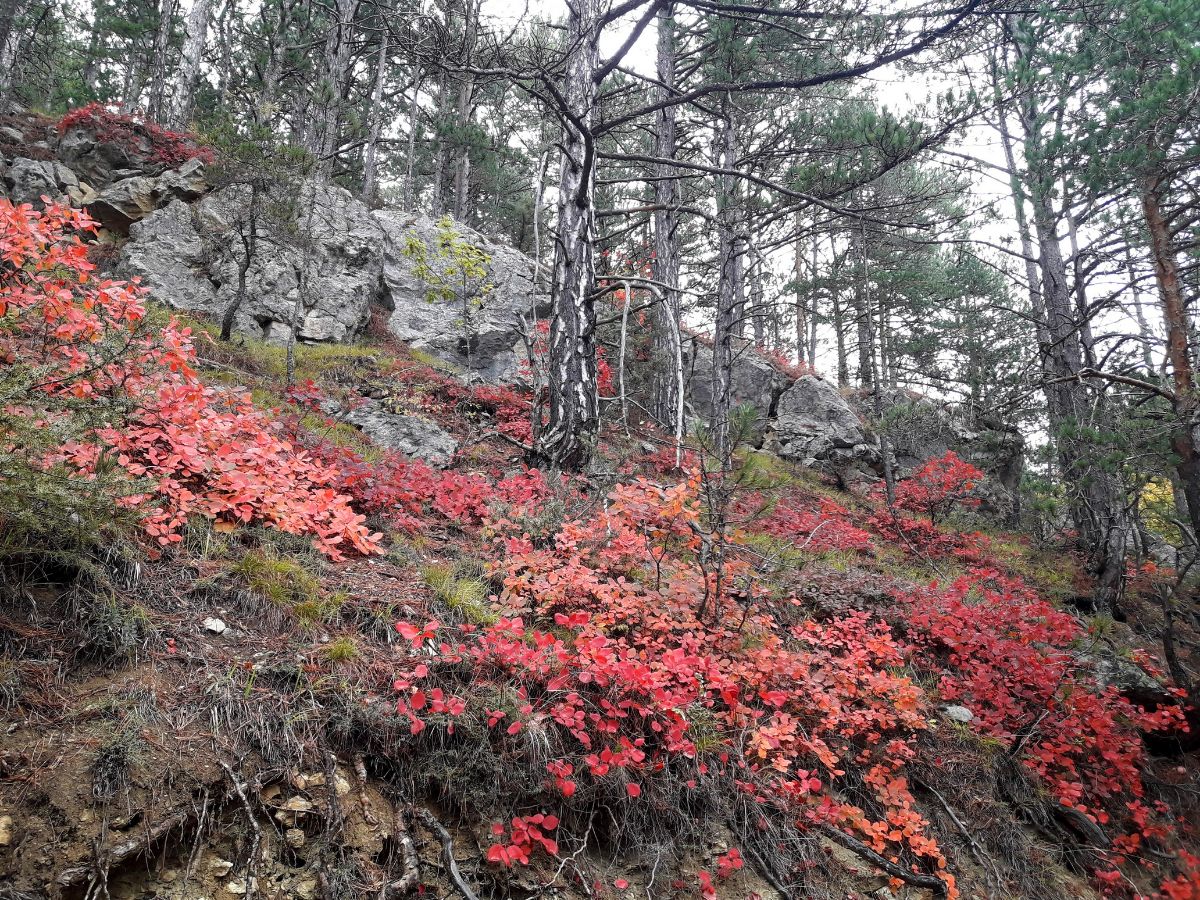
(203, 450)
(137, 136)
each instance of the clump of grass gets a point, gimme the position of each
(283, 582)
(460, 589)
(111, 768)
(286, 584)
(341, 649)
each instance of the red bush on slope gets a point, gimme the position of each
(601, 638)
(195, 449)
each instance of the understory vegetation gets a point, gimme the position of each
(622, 662)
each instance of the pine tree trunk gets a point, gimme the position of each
(326, 128)
(1186, 440)
(863, 315)
(10, 39)
(566, 442)
(666, 245)
(376, 113)
(727, 286)
(158, 60)
(465, 113)
(189, 64)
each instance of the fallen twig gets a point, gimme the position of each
(456, 877)
(932, 882)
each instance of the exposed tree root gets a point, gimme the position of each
(995, 882)
(930, 882)
(766, 871)
(360, 775)
(252, 862)
(456, 877)
(410, 871)
(122, 852)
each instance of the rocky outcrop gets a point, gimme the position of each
(101, 161)
(413, 436)
(815, 424)
(28, 180)
(129, 200)
(921, 428)
(753, 380)
(321, 282)
(486, 337)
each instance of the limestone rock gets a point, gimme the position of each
(413, 436)
(753, 380)
(6, 831)
(29, 179)
(188, 256)
(101, 161)
(219, 867)
(488, 335)
(1133, 682)
(814, 423)
(127, 201)
(956, 713)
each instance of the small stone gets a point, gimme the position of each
(6, 830)
(341, 785)
(958, 713)
(294, 837)
(298, 804)
(305, 780)
(219, 868)
(167, 876)
(306, 889)
(215, 625)
(12, 135)
(87, 816)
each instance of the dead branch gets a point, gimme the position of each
(930, 882)
(456, 877)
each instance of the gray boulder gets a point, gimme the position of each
(101, 161)
(1131, 680)
(28, 180)
(753, 380)
(814, 423)
(921, 428)
(413, 436)
(487, 336)
(189, 255)
(124, 202)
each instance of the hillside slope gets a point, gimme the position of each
(248, 652)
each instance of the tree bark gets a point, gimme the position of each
(465, 113)
(158, 59)
(666, 246)
(369, 160)
(1186, 440)
(189, 64)
(727, 284)
(566, 442)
